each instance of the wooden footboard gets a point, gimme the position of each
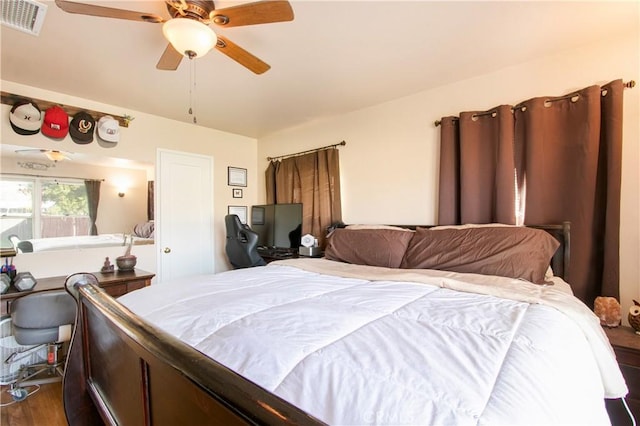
(122, 370)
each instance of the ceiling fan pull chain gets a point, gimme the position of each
(192, 90)
(191, 87)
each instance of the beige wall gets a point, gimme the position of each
(390, 163)
(139, 142)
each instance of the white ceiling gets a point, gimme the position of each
(334, 57)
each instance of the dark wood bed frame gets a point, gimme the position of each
(122, 370)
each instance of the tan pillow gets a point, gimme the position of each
(515, 252)
(373, 247)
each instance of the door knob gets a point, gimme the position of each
(167, 250)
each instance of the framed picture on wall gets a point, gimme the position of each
(240, 211)
(237, 176)
(237, 193)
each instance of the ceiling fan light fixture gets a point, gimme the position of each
(189, 37)
(55, 155)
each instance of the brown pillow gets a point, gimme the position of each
(515, 252)
(373, 247)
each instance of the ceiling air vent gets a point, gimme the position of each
(23, 15)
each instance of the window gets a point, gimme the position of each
(43, 208)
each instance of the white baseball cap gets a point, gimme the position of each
(108, 131)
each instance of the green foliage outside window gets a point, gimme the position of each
(64, 199)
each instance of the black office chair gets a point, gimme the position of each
(242, 244)
(44, 318)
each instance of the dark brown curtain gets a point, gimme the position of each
(270, 178)
(572, 158)
(93, 198)
(477, 170)
(449, 181)
(560, 158)
(313, 180)
(150, 199)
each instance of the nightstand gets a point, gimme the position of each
(626, 345)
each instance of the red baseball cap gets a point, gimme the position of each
(55, 123)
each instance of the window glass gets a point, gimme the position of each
(64, 210)
(43, 208)
(16, 208)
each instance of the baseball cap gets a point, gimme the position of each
(108, 131)
(25, 118)
(55, 123)
(82, 127)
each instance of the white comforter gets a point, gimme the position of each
(385, 351)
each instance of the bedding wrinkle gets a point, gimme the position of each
(356, 307)
(361, 362)
(443, 331)
(517, 325)
(503, 287)
(530, 363)
(370, 369)
(318, 350)
(211, 325)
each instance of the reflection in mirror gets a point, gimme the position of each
(53, 202)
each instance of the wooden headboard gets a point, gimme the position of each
(560, 260)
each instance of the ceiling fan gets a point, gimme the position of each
(189, 23)
(51, 154)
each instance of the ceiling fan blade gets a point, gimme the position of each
(107, 12)
(241, 56)
(22, 151)
(262, 12)
(170, 59)
(51, 154)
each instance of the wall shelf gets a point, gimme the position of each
(11, 99)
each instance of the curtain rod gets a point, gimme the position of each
(48, 177)
(343, 143)
(628, 85)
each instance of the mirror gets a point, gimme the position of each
(30, 177)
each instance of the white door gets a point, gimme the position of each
(184, 214)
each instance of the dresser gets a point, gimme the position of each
(115, 284)
(626, 345)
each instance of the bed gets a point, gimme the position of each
(389, 328)
(85, 241)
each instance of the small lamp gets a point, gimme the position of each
(189, 37)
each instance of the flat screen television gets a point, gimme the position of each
(277, 225)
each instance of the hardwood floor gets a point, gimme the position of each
(42, 408)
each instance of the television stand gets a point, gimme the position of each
(270, 254)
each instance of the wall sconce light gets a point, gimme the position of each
(121, 184)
